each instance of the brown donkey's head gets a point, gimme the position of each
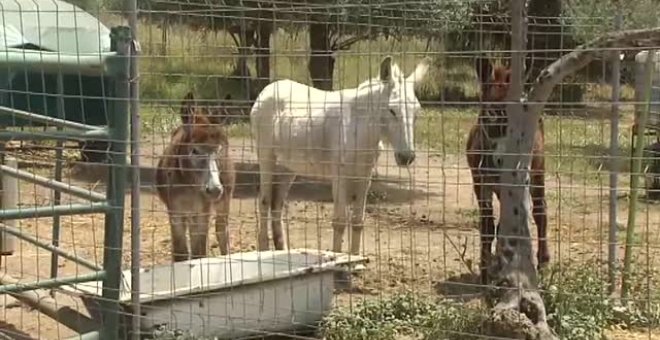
(494, 79)
(202, 147)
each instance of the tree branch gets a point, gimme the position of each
(346, 44)
(583, 55)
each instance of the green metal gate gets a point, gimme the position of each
(104, 115)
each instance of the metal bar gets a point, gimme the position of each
(51, 121)
(57, 195)
(54, 62)
(45, 304)
(2, 160)
(614, 163)
(8, 200)
(135, 174)
(54, 249)
(65, 210)
(52, 184)
(99, 134)
(51, 283)
(114, 219)
(635, 170)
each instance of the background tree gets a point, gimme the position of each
(337, 26)
(249, 22)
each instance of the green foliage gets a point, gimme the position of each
(401, 315)
(576, 300)
(577, 304)
(164, 333)
(579, 307)
(642, 310)
(392, 17)
(587, 19)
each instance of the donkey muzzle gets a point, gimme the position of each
(404, 158)
(213, 192)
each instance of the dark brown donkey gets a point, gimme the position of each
(484, 147)
(195, 177)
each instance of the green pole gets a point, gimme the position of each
(114, 219)
(635, 169)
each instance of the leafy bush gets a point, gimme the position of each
(402, 315)
(576, 298)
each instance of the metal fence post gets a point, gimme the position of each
(135, 173)
(114, 219)
(614, 163)
(9, 200)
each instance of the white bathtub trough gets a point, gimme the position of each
(236, 295)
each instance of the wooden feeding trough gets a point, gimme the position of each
(233, 296)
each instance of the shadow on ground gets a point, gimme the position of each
(247, 179)
(9, 331)
(462, 287)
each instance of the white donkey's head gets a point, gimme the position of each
(398, 115)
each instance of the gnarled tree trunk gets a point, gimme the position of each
(519, 311)
(514, 266)
(547, 41)
(321, 62)
(264, 32)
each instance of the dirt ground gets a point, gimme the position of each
(415, 237)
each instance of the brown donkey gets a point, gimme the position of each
(195, 176)
(485, 141)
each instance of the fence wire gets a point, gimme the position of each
(421, 230)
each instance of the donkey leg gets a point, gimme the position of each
(340, 212)
(222, 223)
(358, 203)
(199, 231)
(486, 227)
(266, 168)
(178, 235)
(281, 187)
(539, 211)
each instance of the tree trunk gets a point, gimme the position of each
(514, 266)
(544, 37)
(263, 57)
(321, 62)
(547, 42)
(519, 304)
(163, 37)
(246, 40)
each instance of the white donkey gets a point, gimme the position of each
(300, 130)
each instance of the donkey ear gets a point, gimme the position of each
(484, 69)
(420, 71)
(386, 69)
(216, 115)
(187, 108)
(506, 63)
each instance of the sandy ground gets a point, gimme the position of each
(415, 237)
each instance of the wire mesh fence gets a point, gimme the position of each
(204, 66)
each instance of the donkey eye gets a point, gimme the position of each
(393, 112)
